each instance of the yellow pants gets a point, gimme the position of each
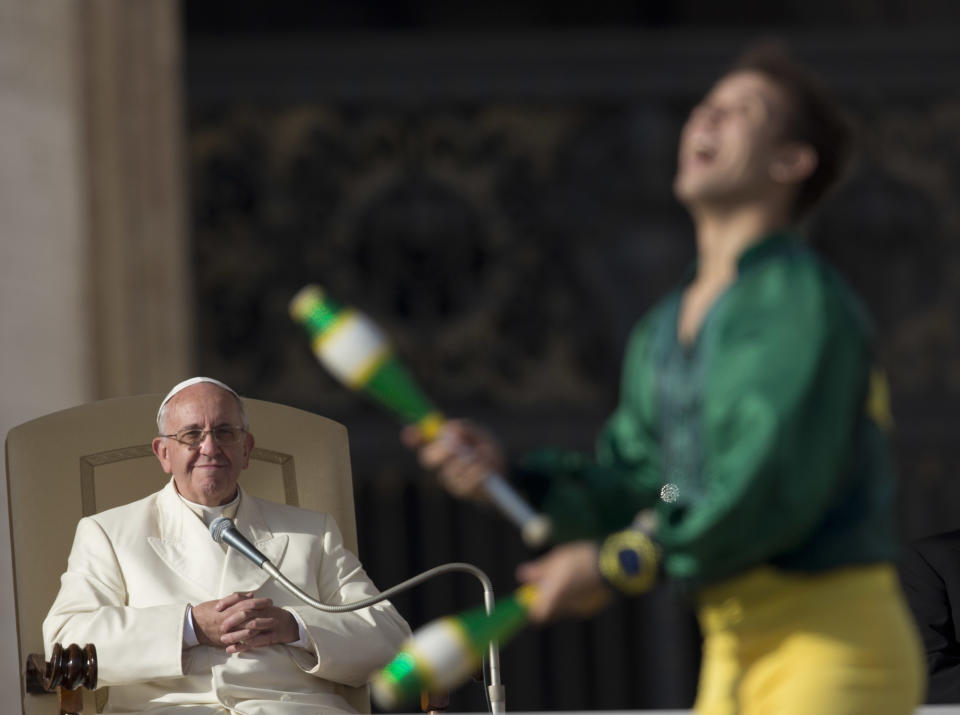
(840, 642)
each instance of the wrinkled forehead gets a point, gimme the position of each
(203, 404)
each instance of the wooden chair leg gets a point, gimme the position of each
(434, 703)
(70, 701)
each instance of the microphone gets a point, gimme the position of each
(223, 530)
(357, 352)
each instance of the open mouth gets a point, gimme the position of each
(702, 149)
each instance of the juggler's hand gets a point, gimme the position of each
(462, 456)
(568, 582)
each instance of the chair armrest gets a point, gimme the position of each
(69, 669)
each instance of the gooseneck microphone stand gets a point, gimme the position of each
(223, 530)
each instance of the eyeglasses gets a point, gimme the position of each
(224, 435)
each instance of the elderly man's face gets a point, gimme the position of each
(208, 473)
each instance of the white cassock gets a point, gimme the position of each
(134, 570)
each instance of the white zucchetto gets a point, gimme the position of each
(187, 383)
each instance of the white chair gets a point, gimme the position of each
(85, 459)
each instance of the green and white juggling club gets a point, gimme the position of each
(359, 354)
(445, 653)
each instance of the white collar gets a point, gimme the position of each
(209, 513)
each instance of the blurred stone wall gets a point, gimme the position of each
(94, 284)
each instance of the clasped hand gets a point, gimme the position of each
(239, 622)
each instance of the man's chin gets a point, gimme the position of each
(212, 490)
(690, 190)
(685, 190)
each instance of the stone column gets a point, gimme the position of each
(94, 264)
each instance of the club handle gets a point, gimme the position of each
(536, 529)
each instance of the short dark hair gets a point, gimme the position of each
(816, 118)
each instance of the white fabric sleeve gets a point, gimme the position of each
(304, 639)
(91, 608)
(346, 647)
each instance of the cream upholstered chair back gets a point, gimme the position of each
(85, 459)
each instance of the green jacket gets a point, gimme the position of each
(760, 431)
